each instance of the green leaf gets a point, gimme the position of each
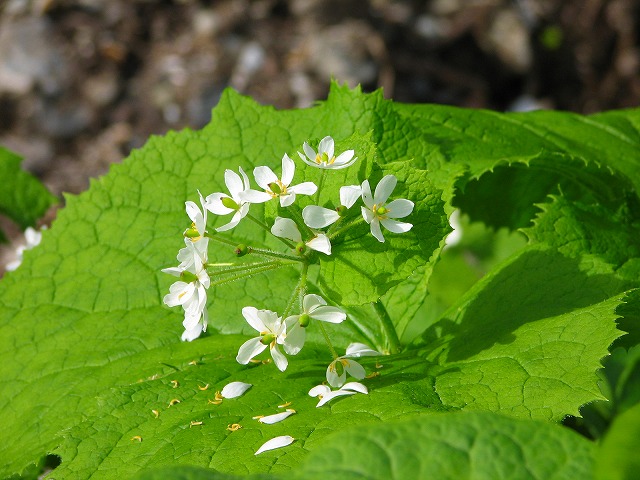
(617, 457)
(26, 200)
(526, 340)
(453, 446)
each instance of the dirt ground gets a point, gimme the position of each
(82, 82)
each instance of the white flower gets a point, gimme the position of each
(223, 204)
(314, 307)
(276, 417)
(338, 369)
(277, 442)
(325, 394)
(33, 238)
(235, 389)
(278, 187)
(190, 291)
(198, 219)
(320, 217)
(272, 332)
(379, 212)
(287, 228)
(454, 237)
(324, 158)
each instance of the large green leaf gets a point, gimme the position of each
(617, 458)
(23, 198)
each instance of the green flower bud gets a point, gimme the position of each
(342, 210)
(241, 250)
(230, 203)
(304, 320)
(275, 188)
(267, 339)
(188, 277)
(301, 248)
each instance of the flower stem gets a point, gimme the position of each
(242, 268)
(300, 221)
(346, 227)
(301, 286)
(323, 173)
(249, 273)
(270, 253)
(328, 340)
(268, 230)
(388, 327)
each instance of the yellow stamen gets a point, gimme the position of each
(194, 423)
(203, 388)
(156, 413)
(234, 427)
(137, 438)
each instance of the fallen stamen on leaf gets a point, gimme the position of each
(234, 427)
(378, 365)
(372, 375)
(193, 362)
(214, 402)
(174, 383)
(137, 438)
(194, 423)
(284, 405)
(173, 402)
(257, 417)
(203, 388)
(156, 413)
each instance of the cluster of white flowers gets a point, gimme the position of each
(301, 231)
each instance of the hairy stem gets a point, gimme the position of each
(388, 327)
(328, 340)
(249, 273)
(301, 286)
(346, 227)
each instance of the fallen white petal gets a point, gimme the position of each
(276, 417)
(356, 387)
(277, 442)
(235, 389)
(319, 390)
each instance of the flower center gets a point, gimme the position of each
(304, 320)
(267, 339)
(188, 277)
(230, 203)
(323, 158)
(277, 188)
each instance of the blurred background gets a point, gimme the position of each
(82, 82)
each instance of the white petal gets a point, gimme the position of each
(357, 349)
(306, 188)
(234, 389)
(287, 199)
(279, 359)
(367, 214)
(288, 170)
(319, 217)
(312, 301)
(245, 179)
(271, 321)
(296, 335)
(213, 203)
(349, 195)
(175, 271)
(320, 243)
(253, 318)
(179, 293)
(250, 349)
(254, 196)
(375, 230)
(319, 390)
(395, 226)
(277, 442)
(233, 182)
(286, 228)
(194, 213)
(190, 335)
(344, 158)
(331, 395)
(354, 369)
(326, 145)
(356, 387)
(329, 314)
(276, 417)
(384, 189)
(264, 176)
(309, 152)
(32, 237)
(367, 198)
(399, 208)
(235, 220)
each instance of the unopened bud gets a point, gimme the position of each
(301, 248)
(241, 250)
(342, 210)
(229, 203)
(304, 320)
